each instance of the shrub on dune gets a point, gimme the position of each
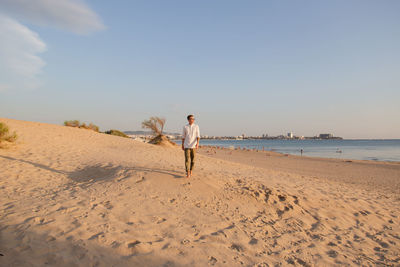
(72, 123)
(76, 123)
(93, 127)
(156, 126)
(5, 135)
(116, 132)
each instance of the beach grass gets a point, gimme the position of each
(116, 132)
(5, 135)
(76, 123)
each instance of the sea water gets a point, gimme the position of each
(379, 150)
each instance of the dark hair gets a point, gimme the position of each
(188, 117)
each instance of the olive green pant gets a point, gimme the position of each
(189, 158)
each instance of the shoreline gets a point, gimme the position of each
(369, 174)
(304, 156)
(243, 148)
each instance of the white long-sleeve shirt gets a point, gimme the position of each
(190, 133)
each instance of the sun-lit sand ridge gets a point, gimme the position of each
(74, 197)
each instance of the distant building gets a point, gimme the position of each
(290, 135)
(325, 136)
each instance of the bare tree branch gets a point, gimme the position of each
(155, 124)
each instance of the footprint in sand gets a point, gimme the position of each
(115, 244)
(236, 247)
(133, 244)
(212, 260)
(185, 241)
(107, 205)
(50, 238)
(160, 220)
(364, 212)
(135, 247)
(68, 210)
(141, 179)
(42, 221)
(253, 241)
(332, 253)
(96, 236)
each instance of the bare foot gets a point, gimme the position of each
(190, 173)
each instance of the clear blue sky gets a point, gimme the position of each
(248, 67)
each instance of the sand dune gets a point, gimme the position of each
(73, 197)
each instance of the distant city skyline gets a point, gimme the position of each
(259, 67)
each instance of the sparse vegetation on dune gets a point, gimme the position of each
(72, 123)
(76, 123)
(156, 126)
(162, 140)
(91, 126)
(116, 132)
(5, 135)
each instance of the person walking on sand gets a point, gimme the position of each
(190, 142)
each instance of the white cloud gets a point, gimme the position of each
(19, 60)
(20, 47)
(72, 15)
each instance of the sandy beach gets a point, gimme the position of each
(74, 197)
(372, 175)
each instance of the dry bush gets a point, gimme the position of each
(93, 127)
(116, 132)
(73, 123)
(155, 125)
(76, 123)
(163, 141)
(5, 135)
